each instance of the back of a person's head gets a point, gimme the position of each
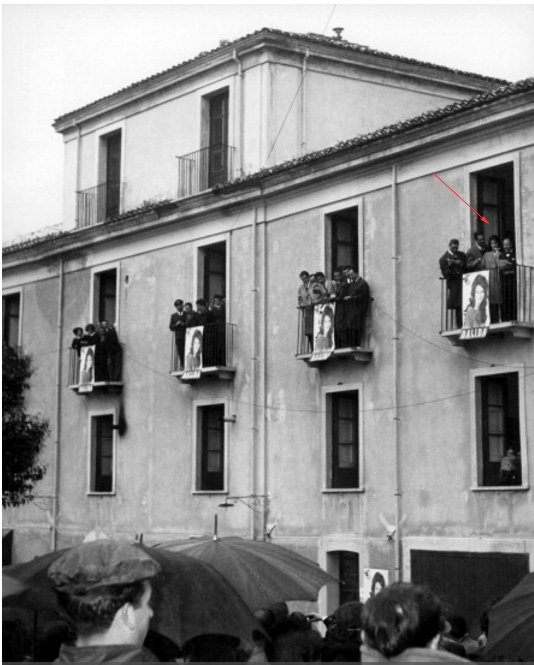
(211, 649)
(401, 616)
(343, 637)
(92, 611)
(296, 645)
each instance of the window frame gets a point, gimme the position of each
(471, 187)
(327, 456)
(477, 459)
(327, 213)
(199, 268)
(197, 448)
(92, 416)
(6, 293)
(94, 292)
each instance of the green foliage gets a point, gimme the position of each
(23, 435)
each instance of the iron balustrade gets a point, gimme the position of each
(351, 326)
(96, 204)
(107, 366)
(513, 303)
(201, 170)
(217, 347)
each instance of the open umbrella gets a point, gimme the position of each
(511, 623)
(189, 597)
(262, 573)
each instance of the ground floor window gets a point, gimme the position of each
(102, 454)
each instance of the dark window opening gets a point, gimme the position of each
(499, 429)
(11, 319)
(218, 139)
(212, 447)
(102, 476)
(113, 174)
(214, 271)
(106, 296)
(495, 201)
(344, 238)
(344, 440)
(349, 577)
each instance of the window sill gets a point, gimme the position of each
(503, 488)
(101, 493)
(204, 492)
(342, 490)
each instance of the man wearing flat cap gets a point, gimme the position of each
(178, 324)
(453, 265)
(104, 586)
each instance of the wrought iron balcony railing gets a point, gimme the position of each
(508, 292)
(346, 332)
(212, 354)
(99, 369)
(96, 204)
(201, 170)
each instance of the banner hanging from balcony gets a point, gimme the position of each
(323, 332)
(87, 369)
(194, 340)
(477, 291)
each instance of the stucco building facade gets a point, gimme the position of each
(232, 173)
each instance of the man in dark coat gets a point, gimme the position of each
(475, 253)
(452, 265)
(206, 318)
(219, 312)
(178, 324)
(354, 296)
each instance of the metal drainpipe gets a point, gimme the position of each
(396, 378)
(55, 497)
(303, 106)
(238, 112)
(254, 359)
(265, 490)
(78, 169)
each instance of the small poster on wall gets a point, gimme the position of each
(374, 580)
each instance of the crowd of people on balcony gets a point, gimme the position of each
(499, 292)
(206, 345)
(102, 358)
(347, 298)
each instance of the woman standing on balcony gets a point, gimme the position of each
(493, 260)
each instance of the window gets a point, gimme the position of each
(343, 436)
(105, 296)
(211, 447)
(344, 238)
(102, 455)
(495, 201)
(349, 577)
(11, 319)
(212, 264)
(110, 174)
(218, 139)
(500, 453)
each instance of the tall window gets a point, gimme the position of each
(344, 440)
(218, 139)
(105, 296)
(213, 259)
(110, 175)
(101, 479)
(11, 319)
(211, 447)
(495, 201)
(344, 238)
(498, 430)
(349, 577)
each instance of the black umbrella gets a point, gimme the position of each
(189, 597)
(511, 623)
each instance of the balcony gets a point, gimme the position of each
(199, 171)
(99, 370)
(511, 310)
(210, 356)
(348, 336)
(96, 204)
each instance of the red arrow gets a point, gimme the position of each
(467, 204)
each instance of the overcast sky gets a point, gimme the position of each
(57, 58)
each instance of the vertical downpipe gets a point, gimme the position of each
(265, 337)
(254, 360)
(78, 177)
(303, 105)
(55, 497)
(396, 377)
(238, 115)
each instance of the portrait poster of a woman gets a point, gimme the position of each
(476, 300)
